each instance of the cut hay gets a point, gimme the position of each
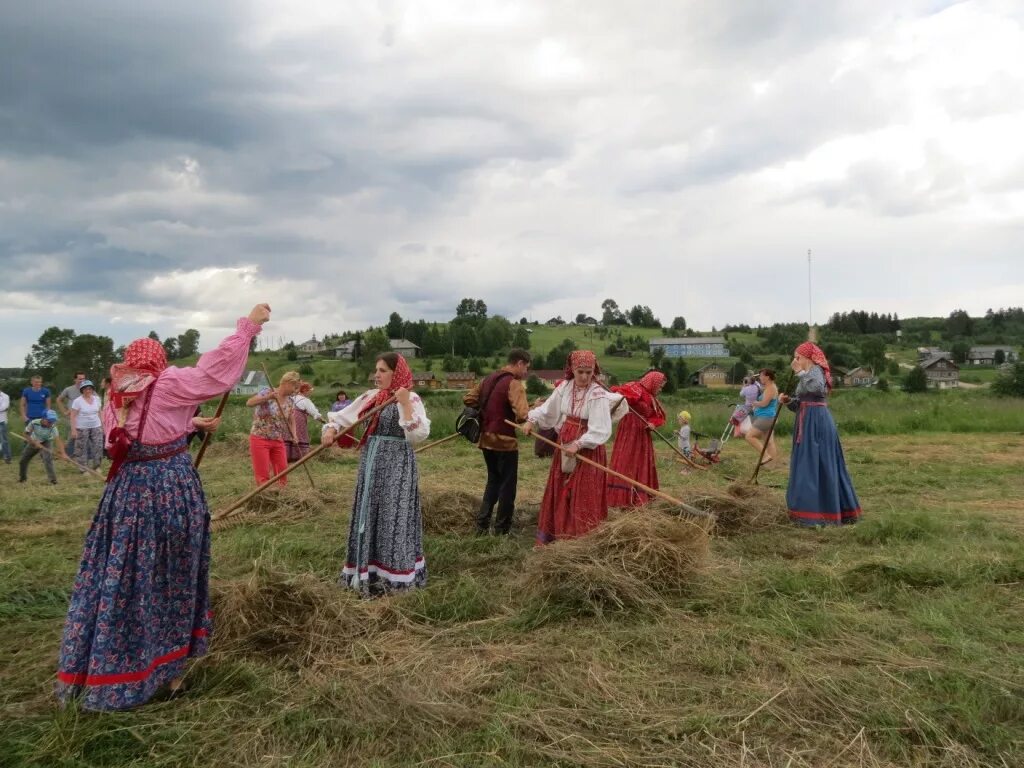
(628, 563)
(298, 617)
(743, 509)
(451, 511)
(292, 505)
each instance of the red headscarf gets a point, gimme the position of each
(581, 358)
(653, 381)
(305, 387)
(815, 355)
(401, 378)
(144, 360)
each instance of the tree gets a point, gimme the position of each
(1000, 357)
(86, 352)
(494, 335)
(872, 351)
(657, 356)
(47, 351)
(394, 327)
(521, 338)
(292, 354)
(959, 350)
(679, 324)
(535, 387)
(374, 342)
(475, 365)
(556, 357)
(894, 368)
(465, 340)
(611, 314)
(1011, 382)
(916, 380)
(682, 372)
(581, 318)
(153, 335)
(737, 372)
(959, 323)
(473, 311)
(171, 347)
(643, 317)
(188, 343)
(670, 378)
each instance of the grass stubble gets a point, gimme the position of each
(653, 642)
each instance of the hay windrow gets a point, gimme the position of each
(455, 511)
(744, 509)
(628, 563)
(294, 616)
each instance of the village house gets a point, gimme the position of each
(710, 375)
(861, 376)
(926, 353)
(250, 383)
(346, 351)
(425, 380)
(942, 372)
(693, 346)
(405, 348)
(313, 346)
(460, 379)
(987, 355)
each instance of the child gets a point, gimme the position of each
(684, 433)
(42, 436)
(740, 418)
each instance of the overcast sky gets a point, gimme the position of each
(166, 165)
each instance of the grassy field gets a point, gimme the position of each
(898, 642)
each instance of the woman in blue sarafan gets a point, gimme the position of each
(820, 491)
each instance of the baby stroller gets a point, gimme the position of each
(713, 453)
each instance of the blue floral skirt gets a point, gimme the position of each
(140, 605)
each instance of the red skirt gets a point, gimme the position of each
(632, 456)
(575, 502)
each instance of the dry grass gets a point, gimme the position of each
(628, 562)
(451, 511)
(744, 508)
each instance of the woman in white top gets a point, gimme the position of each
(86, 426)
(305, 409)
(580, 409)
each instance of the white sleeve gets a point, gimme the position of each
(599, 423)
(76, 405)
(307, 406)
(546, 415)
(417, 429)
(348, 415)
(617, 405)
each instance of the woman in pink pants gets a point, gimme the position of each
(270, 428)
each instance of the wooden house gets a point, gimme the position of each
(861, 376)
(710, 375)
(987, 355)
(942, 372)
(460, 379)
(690, 346)
(250, 383)
(425, 380)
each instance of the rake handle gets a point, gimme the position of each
(437, 442)
(646, 489)
(771, 431)
(60, 456)
(208, 435)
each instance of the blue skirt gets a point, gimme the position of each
(140, 605)
(820, 491)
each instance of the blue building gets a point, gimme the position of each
(693, 346)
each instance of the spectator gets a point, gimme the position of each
(5, 443)
(86, 428)
(35, 400)
(67, 396)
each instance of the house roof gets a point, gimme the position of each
(424, 376)
(402, 344)
(460, 375)
(860, 369)
(710, 366)
(936, 358)
(688, 340)
(989, 351)
(252, 379)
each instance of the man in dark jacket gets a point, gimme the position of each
(499, 396)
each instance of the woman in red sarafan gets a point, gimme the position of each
(633, 453)
(580, 409)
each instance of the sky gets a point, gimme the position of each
(165, 166)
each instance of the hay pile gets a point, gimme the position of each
(291, 505)
(628, 563)
(295, 617)
(449, 511)
(744, 508)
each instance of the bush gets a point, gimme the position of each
(306, 369)
(1011, 382)
(883, 385)
(534, 386)
(293, 355)
(916, 380)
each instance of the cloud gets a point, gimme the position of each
(160, 164)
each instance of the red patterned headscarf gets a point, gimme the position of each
(815, 355)
(402, 378)
(144, 360)
(653, 381)
(581, 358)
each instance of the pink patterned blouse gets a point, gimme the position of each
(178, 391)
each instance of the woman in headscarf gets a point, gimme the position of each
(140, 605)
(820, 491)
(272, 424)
(575, 498)
(633, 452)
(304, 410)
(385, 538)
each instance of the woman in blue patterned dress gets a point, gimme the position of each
(140, 604)
(820, 491)
(385, 540)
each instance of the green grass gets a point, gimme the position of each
(894, 643)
